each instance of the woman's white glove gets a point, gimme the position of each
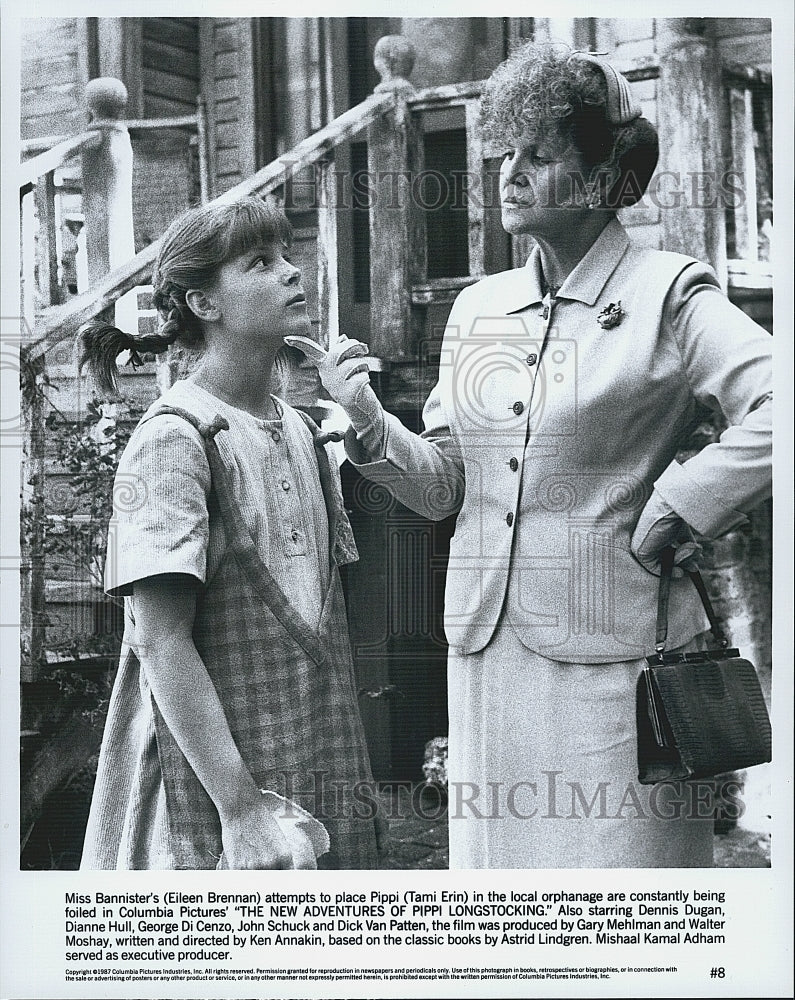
(346, 378)
(658, 527)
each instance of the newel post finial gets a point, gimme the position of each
(106, 98)
(394, 59)
(107, 170)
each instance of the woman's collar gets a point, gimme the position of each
(589, 277)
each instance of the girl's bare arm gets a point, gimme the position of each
(164, 609)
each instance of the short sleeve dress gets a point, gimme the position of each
(252, 510)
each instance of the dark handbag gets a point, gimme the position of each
(698, 714)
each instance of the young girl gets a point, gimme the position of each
(236, 682)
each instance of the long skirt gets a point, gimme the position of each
(542, 768)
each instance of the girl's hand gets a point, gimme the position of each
(252, 837)
(345, 377)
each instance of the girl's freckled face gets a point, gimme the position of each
(260, 292)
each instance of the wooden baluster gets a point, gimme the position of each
(764, 176)
(33, 560)
(741, 124)
(28, 257)
(396, 253)
(303, 387)
(417, 236)
(327, 251)
(201, 139)
(47, 237)
(32, 629)
(107, 191)
(63, 321)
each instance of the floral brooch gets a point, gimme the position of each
(611, 315)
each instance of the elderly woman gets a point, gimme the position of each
(566, 389)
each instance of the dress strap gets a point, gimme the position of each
(342, 546)
(239, 539)
(207, 430)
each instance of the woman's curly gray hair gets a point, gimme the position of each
(540, 91)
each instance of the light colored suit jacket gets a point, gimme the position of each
(548, 434)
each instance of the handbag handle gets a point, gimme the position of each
(663, 596)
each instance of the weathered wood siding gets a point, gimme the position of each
(227, 83)
(170, 66)
(166, 165)
(744, 40)
(53, 76)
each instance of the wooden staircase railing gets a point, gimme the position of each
(56, 324)
(105, 188)
(392, 120)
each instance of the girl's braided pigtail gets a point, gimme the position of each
(192, 250)
(102, 343)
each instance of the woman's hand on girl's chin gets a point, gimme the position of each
(252, 838)
(345, 377)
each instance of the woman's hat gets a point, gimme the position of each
(621, 107)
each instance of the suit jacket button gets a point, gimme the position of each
(518, 407)
(509, 519)
(531, 359)
(514, 464)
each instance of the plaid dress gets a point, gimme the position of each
(287, 690)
